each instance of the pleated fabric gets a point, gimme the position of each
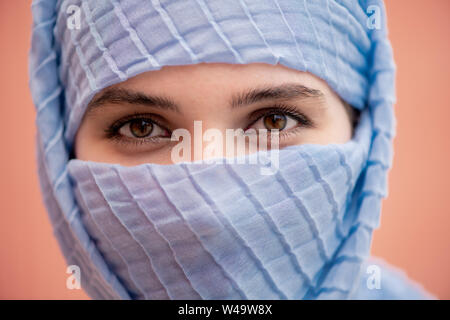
(224, 231)
(158, 232)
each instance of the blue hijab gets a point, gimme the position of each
(80, 47)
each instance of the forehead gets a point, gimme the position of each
(218, 80)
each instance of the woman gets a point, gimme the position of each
(135, 98)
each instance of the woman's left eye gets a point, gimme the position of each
(275, 120)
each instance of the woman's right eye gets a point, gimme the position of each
(142, 128)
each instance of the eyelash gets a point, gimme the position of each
(113, 134)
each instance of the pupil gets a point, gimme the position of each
(140, 128)
(275, 121)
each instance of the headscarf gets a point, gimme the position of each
(96, 208)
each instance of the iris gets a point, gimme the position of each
(140, 128)
(275, 121)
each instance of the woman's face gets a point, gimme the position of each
(131, 123)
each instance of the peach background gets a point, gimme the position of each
(414, 232)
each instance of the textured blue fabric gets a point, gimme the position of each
(97, 208)
(225, 231)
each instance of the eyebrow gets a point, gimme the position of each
(285, 91)
(125, 96)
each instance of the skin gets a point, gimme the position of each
(202, 92)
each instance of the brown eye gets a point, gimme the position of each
(275, 121)
(140, 128)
